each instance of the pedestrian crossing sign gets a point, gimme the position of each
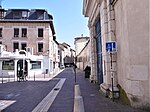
(111, 46)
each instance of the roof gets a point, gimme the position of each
(28, 15)
(65, 44)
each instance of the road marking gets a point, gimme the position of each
(5, 103)
(45, 104)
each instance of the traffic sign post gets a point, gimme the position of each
(111, 48)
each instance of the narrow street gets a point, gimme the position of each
(56, 95)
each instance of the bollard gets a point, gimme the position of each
(9, 78)
(2, 78)
(77, 90)
(78, 104)
(44, 75)
(34, 76)
(78, 100)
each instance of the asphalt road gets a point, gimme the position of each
(24, 96)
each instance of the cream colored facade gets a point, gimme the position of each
(83, 58)
(31, 40)
(127, 23)
(80, 43)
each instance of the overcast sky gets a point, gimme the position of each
(68, 19)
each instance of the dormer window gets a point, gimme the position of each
(24, 14)
(40, 15)
(2, 13)
(16, 15)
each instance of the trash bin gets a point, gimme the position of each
(87, 71)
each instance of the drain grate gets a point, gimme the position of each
(56, 89)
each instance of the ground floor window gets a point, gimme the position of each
(8, 65)
(35, 64)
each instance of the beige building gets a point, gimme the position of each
(83, 58)
(31, 30)
(125, 22)
(80, 43)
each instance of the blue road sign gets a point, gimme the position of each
(111, 46)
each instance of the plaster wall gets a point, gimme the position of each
(32, 35)
(132, 36)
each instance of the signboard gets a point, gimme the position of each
(111, 46)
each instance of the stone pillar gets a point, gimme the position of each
(93, 76)
(111, 34)
(108, 34)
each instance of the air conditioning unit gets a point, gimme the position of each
(29, 50)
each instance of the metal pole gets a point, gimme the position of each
(112, 86)
(112, 78)
(2, 78)
(75, 75)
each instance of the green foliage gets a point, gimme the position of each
(123, 96)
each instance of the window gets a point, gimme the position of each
(24, 32)
(35, 64)
(8, 65)
(112, 2)
(40, 47)
(15, 46)
(0, 42)
(40, 32)
(24, 14)
(16, 32)
(0, 32)
(23, 46)
(2, 14)
(16, 15)
(40, 15)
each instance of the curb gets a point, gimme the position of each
(78, 100)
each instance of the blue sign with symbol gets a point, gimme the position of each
(111, 46)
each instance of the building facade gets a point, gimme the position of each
(80, 43)
(28, 30)
(69, 55)
(126, 23)
(83, 58)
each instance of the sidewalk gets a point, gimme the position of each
(93, 100)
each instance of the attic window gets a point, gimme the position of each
(40, 15)
(24, 14)
(16, 15)
(1, 14)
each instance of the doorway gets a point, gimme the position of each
(22, 67)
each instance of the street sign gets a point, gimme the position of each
(111, 46)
